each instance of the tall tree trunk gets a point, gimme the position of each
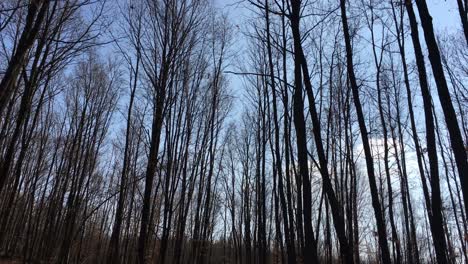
(463, 12)
(279, 169)
(401, 46)
(435, 206)
(36, 13)
(113, 252)
(381, 229)
(310, 245)
(456, 140)
(149, 177)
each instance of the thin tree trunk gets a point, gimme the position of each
(381, 229)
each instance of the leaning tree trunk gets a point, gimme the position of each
(456, 140)
(381, 229)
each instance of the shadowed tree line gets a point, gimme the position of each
(164, 131)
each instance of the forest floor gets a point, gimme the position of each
(9, 260)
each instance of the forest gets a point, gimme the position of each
(234, 131)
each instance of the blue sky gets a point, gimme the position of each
(444, 12)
